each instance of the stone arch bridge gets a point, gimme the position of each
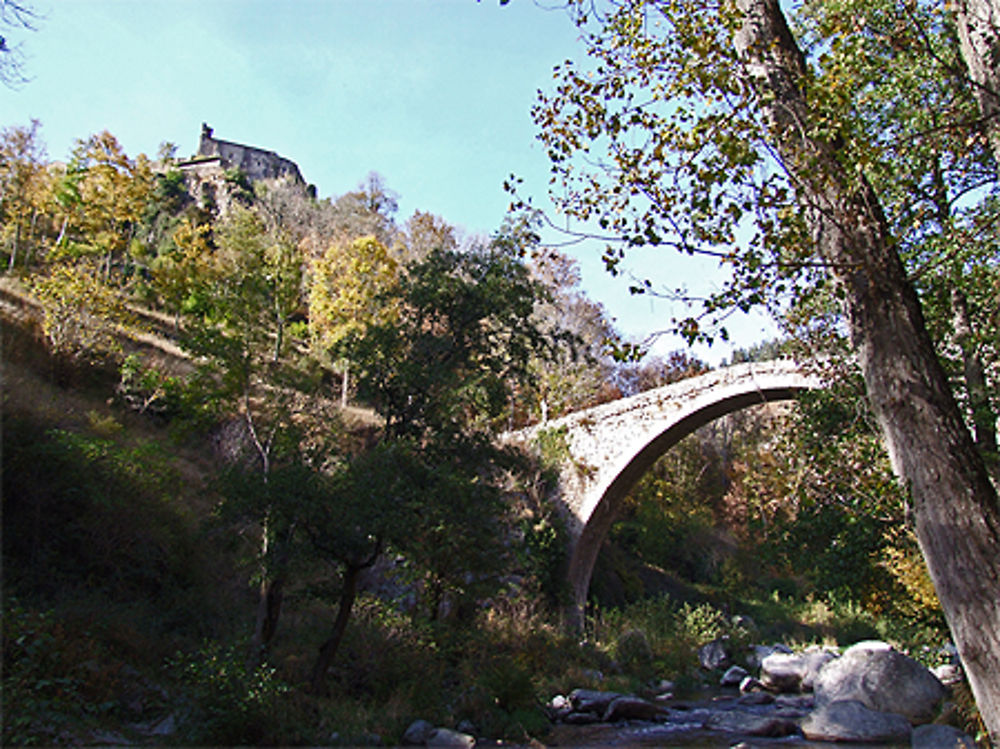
(604, 450)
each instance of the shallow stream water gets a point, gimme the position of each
(685, 729)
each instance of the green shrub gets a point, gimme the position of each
(702, 623)
(55, 682)
(228, 703)
(634, 653)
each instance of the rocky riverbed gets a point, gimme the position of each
(869, 695)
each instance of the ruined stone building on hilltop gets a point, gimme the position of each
(256, 163)
(208, 170)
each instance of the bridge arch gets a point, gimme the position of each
(609, 447)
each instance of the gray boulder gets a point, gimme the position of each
(816, 661)
(756, 699)
(940, 737)
(631, 708)
(850, 720)
(445, 737)
(882, 679)
(714, 654)
(758, 653)
(592, 700)
(793, 672)
(782, 672)
(733, 677)
(418, 733)
(751, 724)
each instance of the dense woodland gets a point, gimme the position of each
(251, 481)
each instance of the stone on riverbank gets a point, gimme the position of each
(940, 737)
(733, 677)
(850, 720)
(418, 733)
(592, 700)
(883, 680)
(752, 724)
(628, 707)
(445, 737)
(793, 672)
(714, 655)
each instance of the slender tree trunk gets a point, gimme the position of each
(17, 241)
(348, 593)
(984, 419)
(954, 504)
(344, 384)
(29, 253)
(62, 231)
(272, 577)
(978, 24)
(271, 597)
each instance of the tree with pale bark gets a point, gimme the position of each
(25, 190)
(239, 302)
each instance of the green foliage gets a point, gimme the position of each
(230, 705)
(53, 680)
(545, 558)
(703, 623)
(669, 518)
(633, 652)
(462, 339)
(672, 633)
(83, 510)
(501, 700)
(824, 506)
(83, 316)
(239, 183)
(575, 372)
(552, 445)
(147, 390)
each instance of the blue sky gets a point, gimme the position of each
(435, 95)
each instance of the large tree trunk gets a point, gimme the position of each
(978, 24)
(954, 504)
